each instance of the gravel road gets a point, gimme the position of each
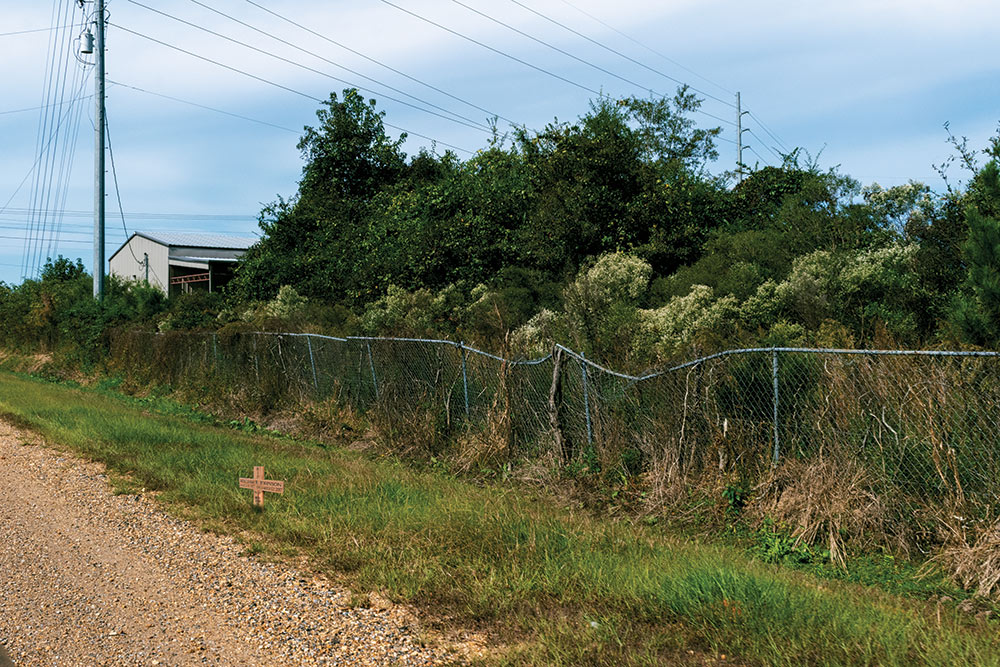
(91, 578)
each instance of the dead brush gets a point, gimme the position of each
(972, 560)
(493, 444)
(414, 430)
(831, 501)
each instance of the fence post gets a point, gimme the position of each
(586, 399)
(563, 447)
(774, 404)
(465, 377)
(256, 361)
(312, 362)
(371, 365)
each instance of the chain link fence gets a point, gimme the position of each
(922, 424)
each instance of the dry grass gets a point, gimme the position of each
(973, 563)
(828, 501)
(493, 444)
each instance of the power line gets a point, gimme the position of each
(457, 119)
(762, 143)
(490, 48)
(648, 48)
(661, 55)
(203, 106)
(4, 113)
(620, 54)
(382, 64)
(751, 149)
(25, 32)
(48, 181)
(335, 64)
(118, 194)
(765, 128)
(275, 84)
(234, 217)
(546, 44)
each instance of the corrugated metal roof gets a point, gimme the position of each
(204, 260)
(198, 240)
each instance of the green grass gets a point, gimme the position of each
(553, 586)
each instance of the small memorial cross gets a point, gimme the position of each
(260, 485)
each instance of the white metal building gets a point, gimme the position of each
(179, 262)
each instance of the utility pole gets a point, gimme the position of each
(99, 124)
(145, 260)
(739, 138)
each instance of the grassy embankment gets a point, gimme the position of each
(553, 586)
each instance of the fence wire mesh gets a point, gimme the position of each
(920, 423)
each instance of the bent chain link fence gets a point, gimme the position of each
(920, 423)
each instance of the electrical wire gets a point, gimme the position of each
(45, 183)
(548, 45)
(494, 50)
(203, 106)
(60, 189)
(769, 132)
(335, 64)
(648, 48)
(11, 111)
(765, 160)
(114, 174)
(459, 120)
(382, 64)
(276, 85)
(620, 54)
(762, 143)
(121, 210)
(25, 32)
(149, 216)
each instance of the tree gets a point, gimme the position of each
(316, 240)
(976, 310)
(348, 156)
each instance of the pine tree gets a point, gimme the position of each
(976, 311)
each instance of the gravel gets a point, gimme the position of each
(91, 578)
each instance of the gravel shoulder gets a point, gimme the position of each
(92, 578)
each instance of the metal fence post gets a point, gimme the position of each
(256, 361)
(586, 399)
(465, 377)
(371, 365)
(774, 404)
(312, 362)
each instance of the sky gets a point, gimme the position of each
(866, 85)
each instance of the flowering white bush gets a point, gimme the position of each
(677, 323)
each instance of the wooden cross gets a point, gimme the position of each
(260, 485)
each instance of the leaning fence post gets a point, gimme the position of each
(563, 446)
(774, 404)
(465, 377)
(586, 400)
(312, 362)
(371, 365)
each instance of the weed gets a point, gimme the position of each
(536, 574)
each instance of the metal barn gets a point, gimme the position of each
(177, 262)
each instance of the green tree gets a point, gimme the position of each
(976, 310)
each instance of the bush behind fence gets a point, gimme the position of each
(921, 424)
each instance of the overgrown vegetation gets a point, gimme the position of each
(554, 586)
(609, 234)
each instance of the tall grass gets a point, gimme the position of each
(551, 585)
